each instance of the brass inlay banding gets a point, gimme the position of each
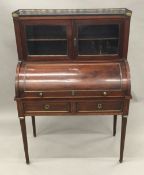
(125, 116)
(21, 118)
(128, 13)
(15, 14)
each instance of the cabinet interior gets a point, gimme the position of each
(90, 39)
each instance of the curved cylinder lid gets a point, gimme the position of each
(90, 76)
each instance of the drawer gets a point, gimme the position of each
(100, 106)
(72, 93)
(46, 107)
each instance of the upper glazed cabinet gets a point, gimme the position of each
(72, 34)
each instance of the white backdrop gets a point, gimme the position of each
(9, 127)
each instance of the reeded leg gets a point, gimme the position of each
(123, 133)
(34, 126)
(114, 124)
(24, 136)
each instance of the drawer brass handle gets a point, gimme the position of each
(46, 107)
(40, 94)
(105, 93)
(99, 106)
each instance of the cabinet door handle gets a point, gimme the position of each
(46, 107)
(99, 106)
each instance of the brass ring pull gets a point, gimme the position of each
(99, 106)
(46, 107)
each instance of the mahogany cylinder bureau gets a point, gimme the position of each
(72, 62)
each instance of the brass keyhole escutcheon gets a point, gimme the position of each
(73, 92)
(46, 107)
(99, 106)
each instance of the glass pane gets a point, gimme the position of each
(47, 48)
(93, 47)
(98, 39)
(46, 40)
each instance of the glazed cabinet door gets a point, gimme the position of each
(96, 39)
(46, 39)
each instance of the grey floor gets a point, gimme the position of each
(72, 145)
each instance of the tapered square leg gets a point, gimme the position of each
(123, 133)
(34, 126)
(114, 124)
(24, 136)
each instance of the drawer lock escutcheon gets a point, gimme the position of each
(99, 106)
(46, 107)
(73, 93)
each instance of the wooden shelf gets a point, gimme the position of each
(98, 39)
(46, 39)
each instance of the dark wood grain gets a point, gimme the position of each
(24, 136)
(73, 80)
(72, 84)
(71, 22)
(33, 125)
(123, 133)
(114, 124)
